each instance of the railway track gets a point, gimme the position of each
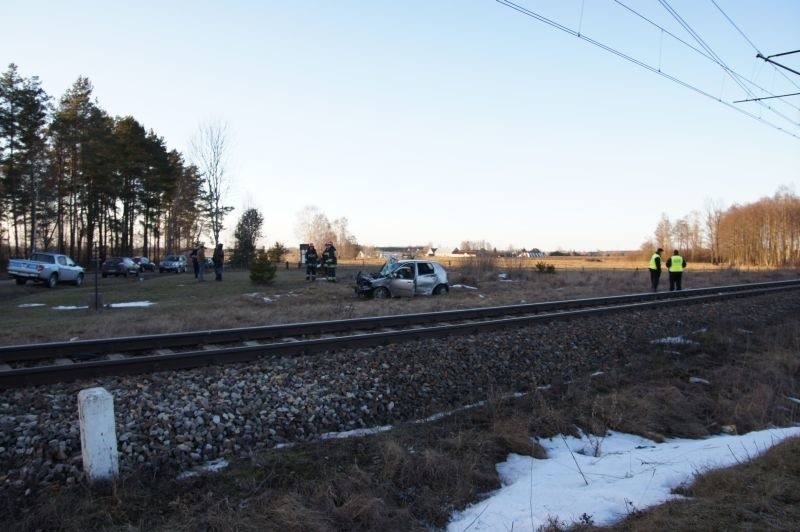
(34, 364)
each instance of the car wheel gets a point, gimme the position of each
(79, 280)
(52, 282)
(381, 293)
(20, 281)
(105, 275)
(440, 290)
(161, 270)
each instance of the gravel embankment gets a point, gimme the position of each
(175, 421)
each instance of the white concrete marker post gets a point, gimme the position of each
(98, 434)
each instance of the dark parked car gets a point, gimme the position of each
(117, 266)
(145, 264)
(404, 278)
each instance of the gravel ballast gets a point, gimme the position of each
(171, 422)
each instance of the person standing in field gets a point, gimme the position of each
(329, 260)
(193, 256)
(218, 258)
(655, 269)
(200, 263)
(675, 265)
(311, 262)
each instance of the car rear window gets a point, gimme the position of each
(425, 268)
(43, 258)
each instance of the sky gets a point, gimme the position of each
(437, 122)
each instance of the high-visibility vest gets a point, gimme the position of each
(653, 265)
(677, 263)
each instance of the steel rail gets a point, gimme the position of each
(87, 349)
(191, 359)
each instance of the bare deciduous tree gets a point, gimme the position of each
(211, 151)
(312, 225)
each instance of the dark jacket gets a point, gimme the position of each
(219, 256)
(329, 256)
(311, 256)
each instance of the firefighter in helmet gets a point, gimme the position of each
(329, 260)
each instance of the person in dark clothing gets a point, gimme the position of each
(195, 263)
(675, 266)
(655, 269)
(218, 258)
(311, 263)
(329, 260)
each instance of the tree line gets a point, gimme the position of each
(762, 233)
(75, 180)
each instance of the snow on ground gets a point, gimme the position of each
(131, 304)
(603, 479)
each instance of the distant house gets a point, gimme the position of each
(393, 252)
(534, 253)
(388, 254)
(464, 253)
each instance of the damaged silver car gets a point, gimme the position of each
(403, 278)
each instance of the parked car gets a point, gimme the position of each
(145, 264)
(117, 266)
(403, 278)
(47, 268)
(173, 263)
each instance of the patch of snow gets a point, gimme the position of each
(214, 466)
(69, 308)
(463, 286)
(626, 473)
(29, 305)
(132, 304)
(673, 340)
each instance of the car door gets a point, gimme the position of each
(426, 278)
(65, 272)
(402, 280)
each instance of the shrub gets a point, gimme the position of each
(262, 270)
(543, 267)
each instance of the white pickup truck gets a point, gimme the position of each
(48, 268)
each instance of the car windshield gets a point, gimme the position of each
(172, 258)
(389, 267)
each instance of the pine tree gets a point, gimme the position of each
(262, 270)
(247, 233)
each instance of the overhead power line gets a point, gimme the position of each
(768, 60)
(783, 74)
(541, 18)
(710, 58)
(769, 97)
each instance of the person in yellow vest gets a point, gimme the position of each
(655, 269)
(675, 265)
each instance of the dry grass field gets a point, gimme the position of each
(378, 483)
(177, 302)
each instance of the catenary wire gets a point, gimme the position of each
(707, 56)
(561, 27)
(717, 59)
(787, 78)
